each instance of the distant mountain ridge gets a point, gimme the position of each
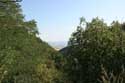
(57, 45)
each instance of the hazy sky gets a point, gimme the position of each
(57, 19)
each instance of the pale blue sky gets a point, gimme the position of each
(57, 19)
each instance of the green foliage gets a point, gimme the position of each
(105, 77)
(93, 45)
(25, 58)
(24, 55)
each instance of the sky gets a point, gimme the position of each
(57, 19)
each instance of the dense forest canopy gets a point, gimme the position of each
(24, 58)
(95, 51)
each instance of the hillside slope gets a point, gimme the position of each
(24, 57)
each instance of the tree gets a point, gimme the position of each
(25, 58)
(96, 45)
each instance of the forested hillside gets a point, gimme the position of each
(96, 53)
(24, 57)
